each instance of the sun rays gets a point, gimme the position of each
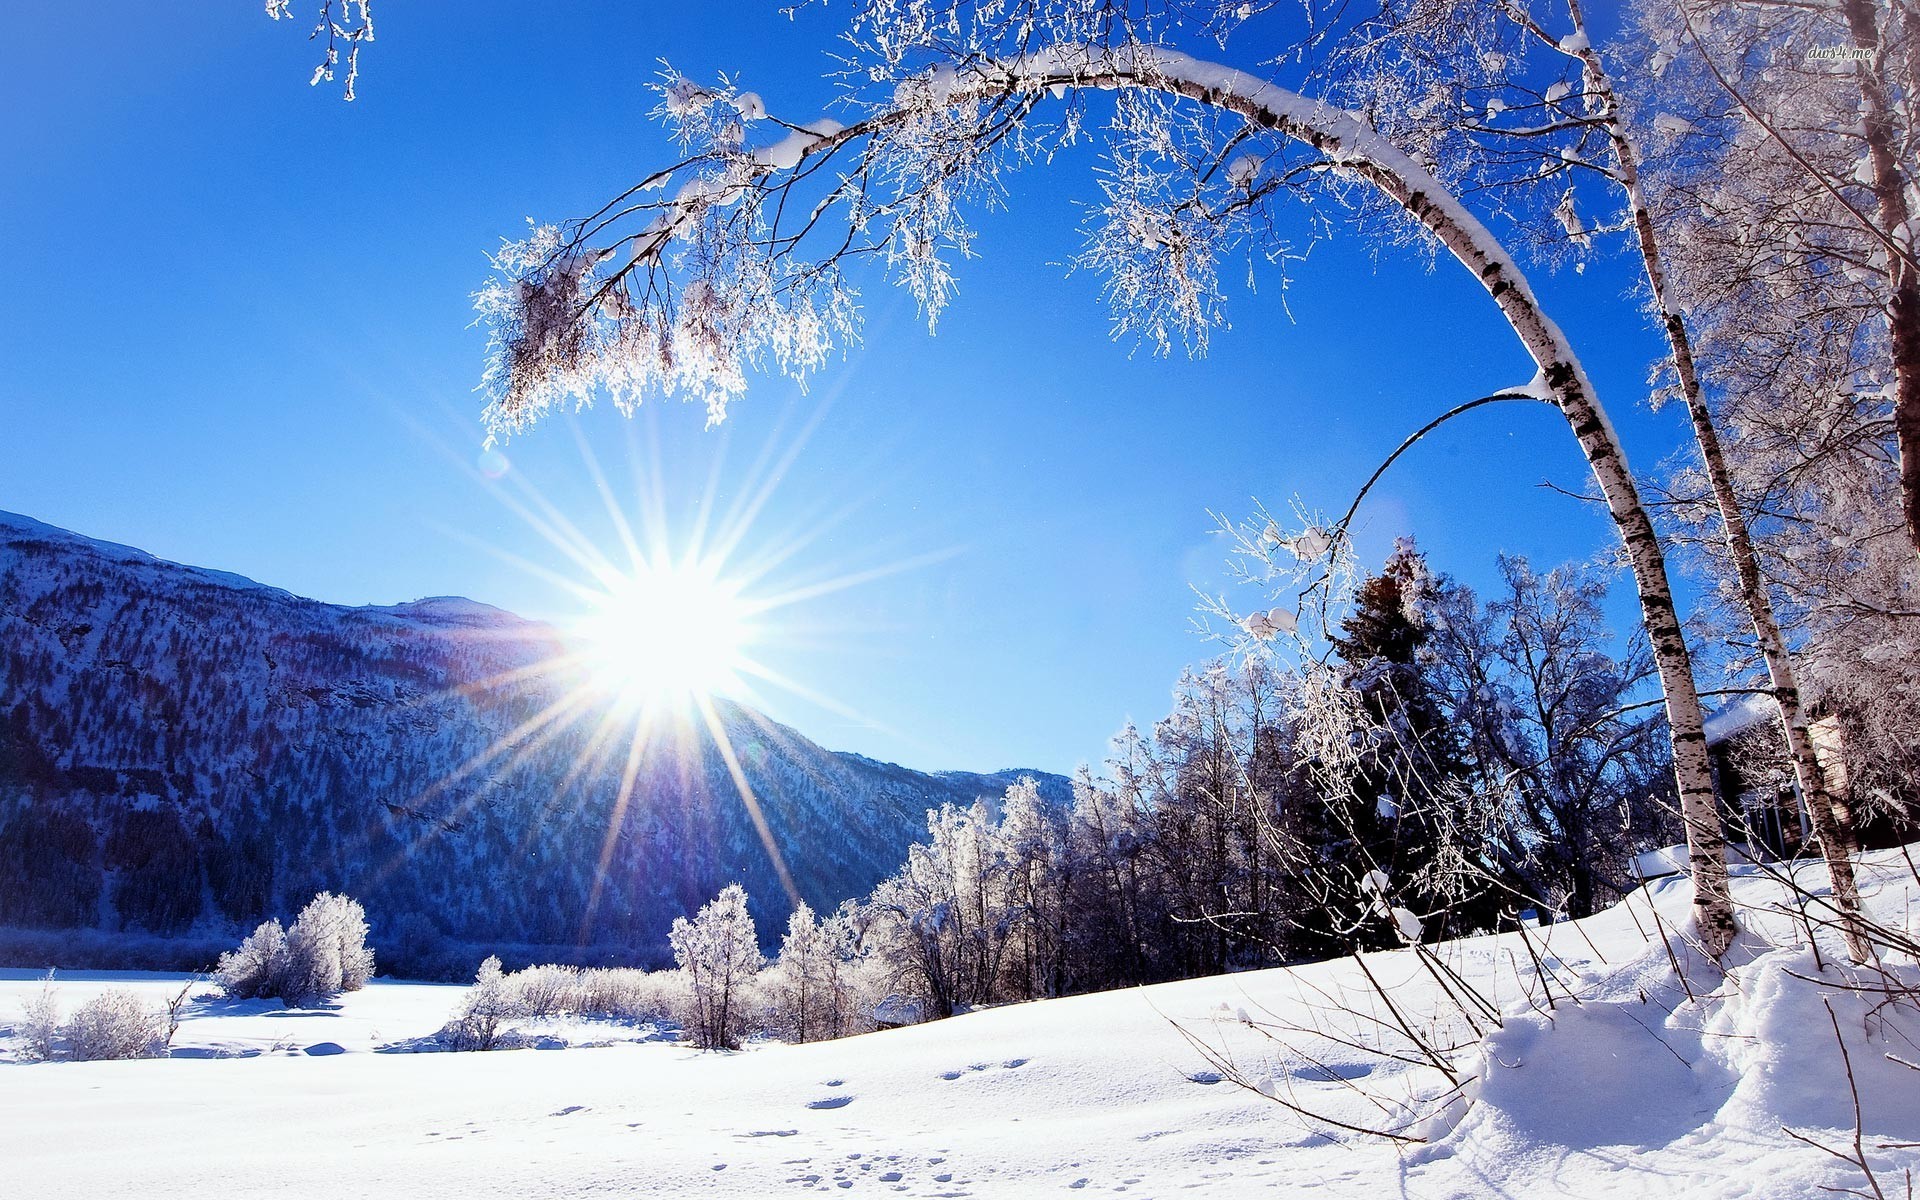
(664, 649)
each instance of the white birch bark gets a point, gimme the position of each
(1832, 818)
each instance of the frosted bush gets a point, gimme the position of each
(617, 993)
(115, 1024)
(258, 967)
(544, 991)
(40, 1025)
(327, 950)
(481, 1022)
(653, 995)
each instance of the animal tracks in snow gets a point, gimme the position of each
(889, 1172)
(1010, 1064)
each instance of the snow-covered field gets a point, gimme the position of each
(1636, 1090)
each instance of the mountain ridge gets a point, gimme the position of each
(186, 749)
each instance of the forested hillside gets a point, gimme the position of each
(182, 749)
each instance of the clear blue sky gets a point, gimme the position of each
(236, 333)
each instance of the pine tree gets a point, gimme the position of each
(1411, 768)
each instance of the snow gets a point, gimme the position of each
(1738, 716)
(1635, 1088)
(785, 154)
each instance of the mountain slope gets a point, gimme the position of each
(186, 748)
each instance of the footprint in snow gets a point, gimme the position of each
(831, 1102)
(569, 1110)
(950, 1074)
(1334, 1073)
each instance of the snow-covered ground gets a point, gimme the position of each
(1636, 1090)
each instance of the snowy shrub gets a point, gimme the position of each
(258, 968)
(719, 954)
(654, 995)
(628, 994)
(115, 1024)
(39, 1027)
(490, 1003)
(544, 991)
(324, 954)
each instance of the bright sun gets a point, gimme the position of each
(668, 634)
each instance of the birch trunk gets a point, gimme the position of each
(1832, 818)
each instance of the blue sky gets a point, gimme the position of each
(237, 334)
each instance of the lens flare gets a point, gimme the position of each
(667, 633)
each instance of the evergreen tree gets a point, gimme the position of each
(1397, 816)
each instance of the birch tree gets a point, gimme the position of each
(741, 264)
(1783, 190)
(1524, 105)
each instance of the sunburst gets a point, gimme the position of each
(673, 616)
(668, 633)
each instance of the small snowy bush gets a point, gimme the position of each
(39, 1028)
(115, 1024)
(258, 968)
(616, 993)
(629, 994)
(481, 1022)
(545, 991)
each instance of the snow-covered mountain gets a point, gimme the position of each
(185, 748)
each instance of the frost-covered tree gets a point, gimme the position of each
(737, 258)
(326, 950)
(1041, 876)
(1522, 105)
(719, 954)
(944, 922)
(1784, 179)
(814, 987)
(1791, 132)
